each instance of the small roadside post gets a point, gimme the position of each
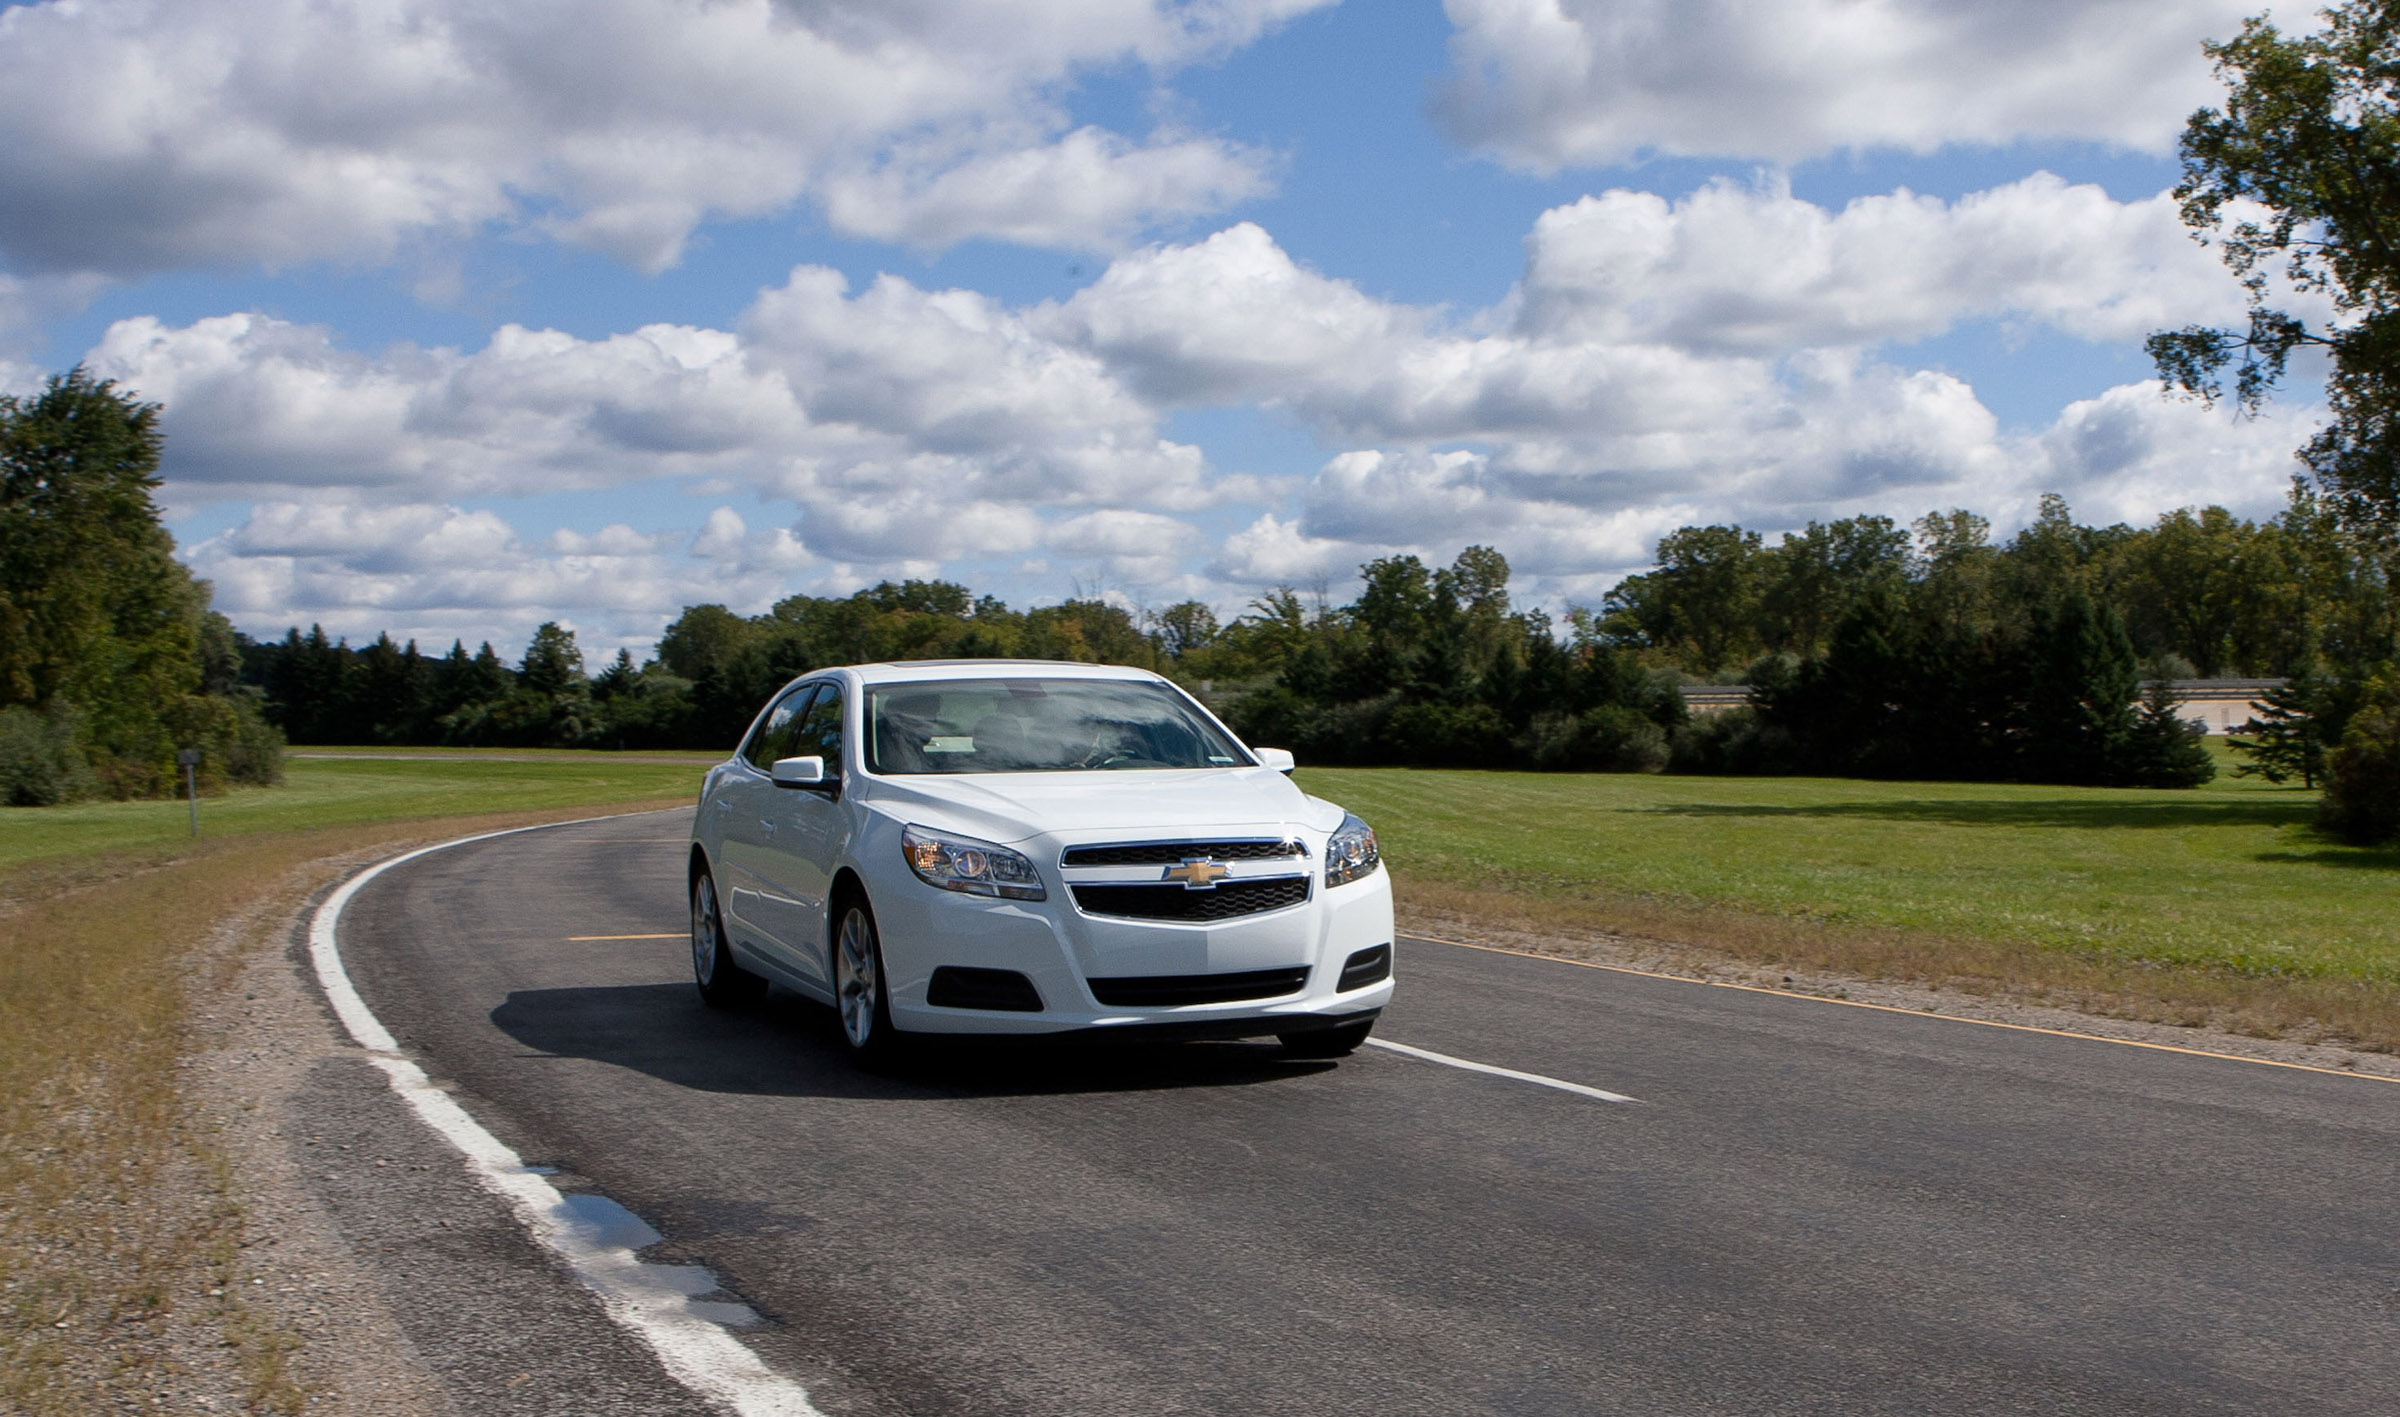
(189, 760)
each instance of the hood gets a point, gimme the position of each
(1009, 807)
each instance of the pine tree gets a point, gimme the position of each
(620, 678)
(2362, 779)
(2080, 684)
(2285, 739)
(2163, 750)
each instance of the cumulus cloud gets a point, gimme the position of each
(906, 426)
(2129, 454)
(434, 572)
(1627, 386)
(1754, 270)
(1091, 189)
(155, 134)
(942, 402)
(1738, 334)
(255, 404)
(1544, 84)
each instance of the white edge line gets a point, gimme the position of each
(695, 1351)
(1511, 1073)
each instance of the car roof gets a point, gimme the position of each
(919, 670)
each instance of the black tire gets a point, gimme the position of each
(723, 984)
(1326, 1042)
(862, 1002)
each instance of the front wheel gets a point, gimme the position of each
(723, 983)
(1327, 1042)
(859, 992)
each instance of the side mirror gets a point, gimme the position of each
(1279, 759)
(799, 772)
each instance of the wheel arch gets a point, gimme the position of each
(847, 887)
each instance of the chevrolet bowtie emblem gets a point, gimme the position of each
(1198, 874)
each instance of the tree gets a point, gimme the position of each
(2203, 586)
(1955, 571)
(94, 606)
(110, 658)
(2286, 739)
(2310, 130)
(1186, 627)
(1702, 603)
(1815, 576)
(2362, 779)
(553, 662)
(2162, 750)
(2080, 681)
(620, 678)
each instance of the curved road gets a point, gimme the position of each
(1811, 1209)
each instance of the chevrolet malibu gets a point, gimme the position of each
(1014, 847)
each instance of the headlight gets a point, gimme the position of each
(961, 863)
(1351, 854)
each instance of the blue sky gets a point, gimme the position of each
(590, 312)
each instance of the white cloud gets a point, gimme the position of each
(2130, 454)
(1745, 270)
(1629, 385)
(1126, 548)
(434, 572)
(1544, 84)
(1233, 318)
(254, 404)
(1091, 189)
(904, 427)
(1274, 551)
(1435, 503)
(155, 134)
(1652, 346)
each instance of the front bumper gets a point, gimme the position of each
(1060, 949)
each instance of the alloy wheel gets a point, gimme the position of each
(704, 932)
(857, 984)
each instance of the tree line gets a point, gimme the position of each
(111, 660)
(712, 670)
(1869, 651)
(1432, 666)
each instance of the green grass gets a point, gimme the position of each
(320, 793)
(2226, 878)
(117, 1207)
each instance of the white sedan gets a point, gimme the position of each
(1006, 846)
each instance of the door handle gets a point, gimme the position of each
(767, 825)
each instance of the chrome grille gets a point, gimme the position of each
(1168, 853)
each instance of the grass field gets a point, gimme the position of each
(120, 1221)
(321, 792)
(2227, 882)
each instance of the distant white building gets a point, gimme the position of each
(2219, 706)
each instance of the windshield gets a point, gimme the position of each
(1040, 725)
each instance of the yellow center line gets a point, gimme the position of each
(584, 939)
(1895, 1009)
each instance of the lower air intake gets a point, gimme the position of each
(1154, 991)
(1001, 990)
(1369, 966)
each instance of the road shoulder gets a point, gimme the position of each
(1977, 1002)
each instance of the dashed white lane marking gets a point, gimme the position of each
(650, 1304)
(1510, 1073)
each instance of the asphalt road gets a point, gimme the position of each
(1811, 1209)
